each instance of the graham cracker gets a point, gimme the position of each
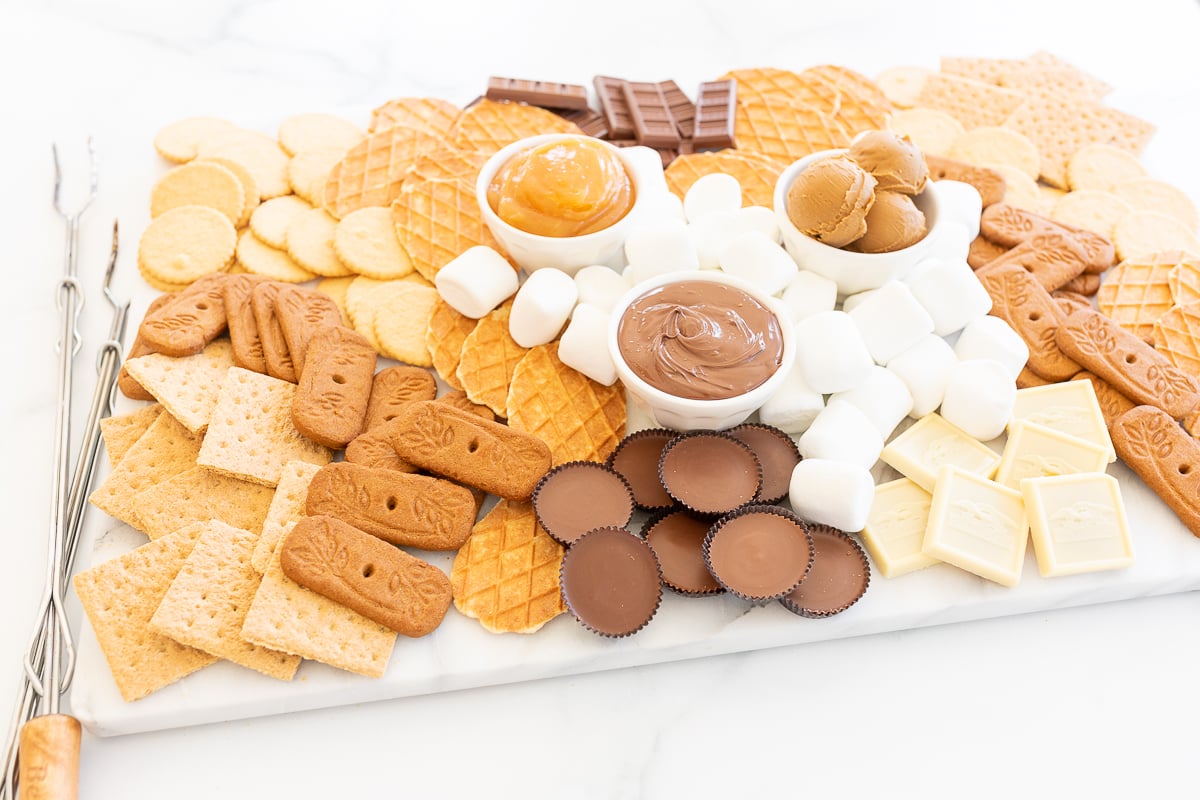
(207, 602)
(199, 495)
(187, 387)
(119, 598)
(973, 103)
(251, 435)
(163, 451)
(286, 616)
(287, 506)
(121, 432)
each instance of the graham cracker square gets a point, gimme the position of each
(120, 432)
(200, 495)
(286, 507)
(187, 387)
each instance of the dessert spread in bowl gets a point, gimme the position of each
(700, 349)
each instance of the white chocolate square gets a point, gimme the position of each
(977, 525)
(1035, 451)
(932, 442)
(896, 528)
(1077, 523)
(1070, 407)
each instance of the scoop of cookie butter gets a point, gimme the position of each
(569, 187)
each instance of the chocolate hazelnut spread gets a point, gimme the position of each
(700, 340)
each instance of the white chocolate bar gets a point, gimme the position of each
(1070, 407)
(1035, 451)
(1077, 523)
(896, 527)
(977, 525)
(932, 442)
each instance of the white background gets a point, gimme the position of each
(1095, 702)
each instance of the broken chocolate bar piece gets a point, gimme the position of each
(653, 123)
(613, 105)
(590, 121)
(682, 109)
(538, 93)
(716, 104)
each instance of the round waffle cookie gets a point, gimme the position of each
(371, 172)
(756, 174)
(1135, 293)
(488, 125)
(1177, 336)
(489, 357)
(437, 220)
(445, 334)
(429, 113)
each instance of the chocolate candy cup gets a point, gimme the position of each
(710, 472)
(839, 576)
(677, 538)
(578, 496)
(636, 460)
(611, 582)
(776, 452)
(759, 552)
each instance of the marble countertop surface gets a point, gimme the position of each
(1091, 701)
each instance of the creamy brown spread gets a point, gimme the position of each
(700, 340)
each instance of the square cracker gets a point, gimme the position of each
(199, 495)
(973, 103)
(121, 432)
(209, 598)
(163, 451)
(187, 387)
(119, 598)
(287, 506)
(286, 616)
(251, 435)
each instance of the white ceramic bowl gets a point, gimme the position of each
(568, 253)
(854, 272)
(686, 414)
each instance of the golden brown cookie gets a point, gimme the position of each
(335, 384)
(191, 320)
(395, 387)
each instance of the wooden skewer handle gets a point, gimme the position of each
(49, 758)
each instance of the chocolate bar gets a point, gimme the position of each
(538, 93)
(716, 104)
(591, 122)
(682, 109)
(613, 105)
(653, 123)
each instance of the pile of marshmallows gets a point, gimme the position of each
(863, 363)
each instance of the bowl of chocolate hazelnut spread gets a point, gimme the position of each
(700, 349)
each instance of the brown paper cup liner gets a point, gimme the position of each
(713, 504)
(597, 602)
(854, 558)
(786, 442)
(646, 499)
(599, 511)
(672, 577)
(727, 576)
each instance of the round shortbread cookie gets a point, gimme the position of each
(180, 141)
(1049, 196)
(360, 308)
(199, 183)
(995, 145)
(186, 243)
(160, 285)
(336, 288)
(301, 132)
(902, 85)
(932, 131)
(1020, 190)
(1149, 194)
(250, 197)
(270, 221)
(309, 169)
(310, 243)
(262, 259)
(258, 153)
(1141, 233)
(401, 315)
(1091, 210)
(365, 241)
(1102, 167)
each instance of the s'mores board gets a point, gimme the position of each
(573, 378)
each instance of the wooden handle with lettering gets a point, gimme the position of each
(49, 758)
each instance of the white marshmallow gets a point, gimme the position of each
(890, 321)
(831, 353)
(647, 167)
(793, 406)
(713, 232)
(809, 293)
(961, 203)
(660, 206)
(832, 493)
(761, 219)
(883, 398)
(476, 282)
(980, 395)
(541, 307)
(852, 301)
(584, 344)
(661, 247)
(953, 241)
(600, 286)
(950, 292)
(990, 337)
(753, 257)
(710, 194)
(924, 368)
(842, 433)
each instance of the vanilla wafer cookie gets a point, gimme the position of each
(309, 170)
(301, 132)
(310, 244)
(270, 221)
(258, 153)
(180, 141)
(185, 244)
(199, 183)
(365, 241)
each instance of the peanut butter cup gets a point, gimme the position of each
(636, 460)
(839, 576)
(611, 582)
(759, 552)
(710, 472)
(776, 452)
(575, 497)
(677, 538)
